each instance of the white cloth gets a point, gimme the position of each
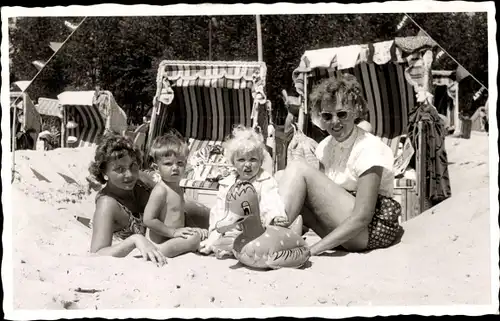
(270, 203)
(345, 162)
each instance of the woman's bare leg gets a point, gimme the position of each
(327, 204)
(177, 246)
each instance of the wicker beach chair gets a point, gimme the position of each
(380, 68)
(203, 100)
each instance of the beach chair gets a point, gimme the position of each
(28, 121)
(86, 115)
(51, 114)
(203, 100)
(446, 96)
(380, 68)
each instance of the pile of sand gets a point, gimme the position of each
(443, 258)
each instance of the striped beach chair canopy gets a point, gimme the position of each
(380, 68)
(49, 107)
(202, 100)
(93, 112)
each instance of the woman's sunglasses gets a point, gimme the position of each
(342, 115)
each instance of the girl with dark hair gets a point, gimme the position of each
(120, 204)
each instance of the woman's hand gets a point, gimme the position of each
(184, 232)
(148, 250)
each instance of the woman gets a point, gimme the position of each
(120, 204)
(349, 201)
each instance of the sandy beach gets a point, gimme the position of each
(442, 259)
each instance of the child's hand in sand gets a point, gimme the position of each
(184, 232)
(149, 251)
(206, 246)
(203, 233)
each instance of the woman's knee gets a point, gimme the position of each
(298, 166)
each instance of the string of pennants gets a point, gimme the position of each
(56, 46)
(461, 72)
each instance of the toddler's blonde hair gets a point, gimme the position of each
(243, 139)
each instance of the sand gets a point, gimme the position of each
(442, 259)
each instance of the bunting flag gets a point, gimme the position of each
(71, 26)
(461, 73)
(55, 46)
(38, 64)
(422, 33)
(402, 23)
(478, 94)
(23, 84)
(439, 55)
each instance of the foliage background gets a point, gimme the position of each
(121, 54)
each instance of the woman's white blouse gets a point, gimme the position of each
(344, 162)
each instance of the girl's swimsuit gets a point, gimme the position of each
(135, 224)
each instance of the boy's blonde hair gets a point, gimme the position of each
(243, 139)
(168, 145)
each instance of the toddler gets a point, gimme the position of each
(245, 151)
(164, 213)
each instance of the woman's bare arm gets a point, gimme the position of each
(366, 199)
(102, 231)
(153, 210)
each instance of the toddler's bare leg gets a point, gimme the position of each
(177, 246)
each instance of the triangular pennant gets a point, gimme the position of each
(55, 46)
(38, 64)
(402, 23)
(422, 33)
(462, 73)
(439, 54)
(478, 94)
(71, 26)
(23, 84)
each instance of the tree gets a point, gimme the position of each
(122, 54)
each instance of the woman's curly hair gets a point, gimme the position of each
(112, 146)
(344, 87)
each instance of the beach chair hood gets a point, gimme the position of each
(388, 72)
(207, 107)
(95, 112)
(49, 107)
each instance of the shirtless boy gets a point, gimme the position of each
(164, 213)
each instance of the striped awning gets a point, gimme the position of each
(217, 74)
(81, 98)
(443, 77)
(204, 99)
(380, 53)
(49, 107)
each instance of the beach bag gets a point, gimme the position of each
(302, 147)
